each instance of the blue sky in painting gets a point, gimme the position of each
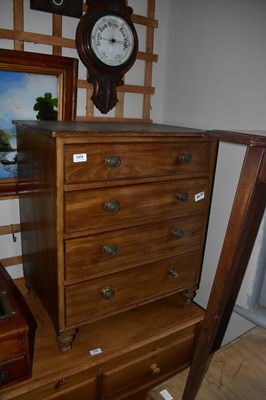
(10, 79)
(18, 93)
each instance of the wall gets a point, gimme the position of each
(215, 79)
(215, 73)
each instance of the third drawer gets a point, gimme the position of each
(99, 254)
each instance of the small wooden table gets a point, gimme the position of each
(246, 215)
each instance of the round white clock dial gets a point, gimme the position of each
(112, 40)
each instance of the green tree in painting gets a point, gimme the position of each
(45, 107)
(4, 141)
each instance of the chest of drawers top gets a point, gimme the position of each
(75, 129)
(104, 152)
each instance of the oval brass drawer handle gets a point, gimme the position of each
(110, 250)
(108, 293)
(112, 206)
(185, 158)
(177, 233)
(155, 369)
(172, 271)
(113, 161)
(182, 196)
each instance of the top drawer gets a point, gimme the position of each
(100, 162)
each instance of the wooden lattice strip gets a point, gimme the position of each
(121, 90)
(57, 32)
(119, 108)
(146, 21)
(89, 104)
(110, 119)
(148, 64)
(138, 89)
(9, 229)
(10, 261)
(57, 41)
(37, 38)
(18, 21)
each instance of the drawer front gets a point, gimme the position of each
(12, 347)
(89, 256)
(92, 209)
(65, 389)
(117, 292)
(102, 162)
(84, 391)
(13, 370)
(150, 368)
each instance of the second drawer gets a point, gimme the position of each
(108, 207)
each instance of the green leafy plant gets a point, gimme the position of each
(46, 107)
(5, 145)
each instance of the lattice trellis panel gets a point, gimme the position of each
(134, 98)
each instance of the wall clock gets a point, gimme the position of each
(107, 44)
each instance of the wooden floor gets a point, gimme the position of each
(236, 372)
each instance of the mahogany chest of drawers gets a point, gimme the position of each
(114, 218)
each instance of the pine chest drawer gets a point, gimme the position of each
(152, 366)
(96, 298)
(106, 162)
(114, 251)
(102, 208)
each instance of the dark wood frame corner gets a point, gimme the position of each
(245, 218)
(64, 68)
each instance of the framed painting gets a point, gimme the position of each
(32, 86)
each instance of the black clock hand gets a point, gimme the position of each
(108, 40)
(123, 42)
(116, 41)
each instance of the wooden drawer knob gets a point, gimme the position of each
(185, 158)
(112, 206)
(182, 196)
(155, 370)
(177, 233)
(113, 161)
(109, 250)
(173, 273)
(108, 293)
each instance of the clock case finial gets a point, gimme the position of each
(104, 78)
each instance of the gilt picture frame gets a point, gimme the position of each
(27, 79)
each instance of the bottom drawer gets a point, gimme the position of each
(69, 388)
(152, 367)
(96, 298)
